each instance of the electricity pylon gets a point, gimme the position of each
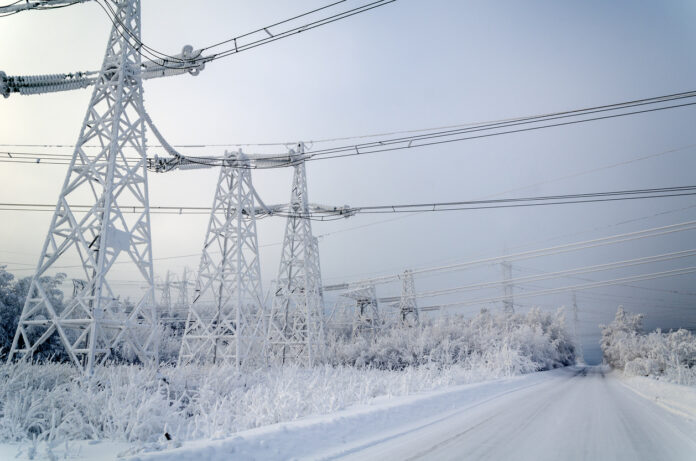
(508, 302)
(296, 320)
(182, 300)
(579, 354)
(97, 322)
(225, 318)
(366, 319)
(165, 301)
(408, 309)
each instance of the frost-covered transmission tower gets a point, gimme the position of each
(97, 322)
(508, 301)
(226, 314)
(408, 309)
(296, 320)
(224, 322)
(366, 318)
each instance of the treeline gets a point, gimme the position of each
(670, 356)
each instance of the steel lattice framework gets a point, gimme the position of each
(96, 322)
(408, 309)
(296, 320)
(165, 301)
(224, 323)
(366, 318)
(508, 302)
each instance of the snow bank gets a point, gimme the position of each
(673, 397)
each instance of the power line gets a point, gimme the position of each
(587, 286)
(320, 215)
(548, 251)
(677, 292)
(239, 45)
(443, 136)
(563, 273)
(409, 143)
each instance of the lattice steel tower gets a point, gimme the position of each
(224, 322)
(508, 302)
(408, 309)
(296, 320)
(97, 321)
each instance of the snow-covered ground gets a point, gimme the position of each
(672, 397)
(570, 413)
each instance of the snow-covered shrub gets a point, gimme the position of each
(132, 403)
(538, 338)
(670, 356)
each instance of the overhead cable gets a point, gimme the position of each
(587, 286)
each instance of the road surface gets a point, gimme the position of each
(573, 413)
(581, 414)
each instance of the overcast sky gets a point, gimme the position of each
(409, 65)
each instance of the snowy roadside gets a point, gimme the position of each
(355, 425)
(326, 436)
(672, 397)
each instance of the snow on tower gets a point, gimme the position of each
(408, 309)
(165, 287)
(224, 323)
(296, 320)
(366, 319)
(98, 322)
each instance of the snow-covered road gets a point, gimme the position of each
(584, 416)
(572, 413)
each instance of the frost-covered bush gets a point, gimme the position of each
(670, 356)
(523, 342)
(129, 403)
(135, 404)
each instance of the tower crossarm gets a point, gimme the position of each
(177, 161)
(189, 61)
(284, 209)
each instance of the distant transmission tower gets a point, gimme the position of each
(580, 358)
(225, 318)
(366, 319)
(182, 300)
(166, 298)
(408, 309)
(96, 322)
(296, 320)
(508, 302)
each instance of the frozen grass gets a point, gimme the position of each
(128, 403)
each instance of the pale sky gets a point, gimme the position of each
(409, 65)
